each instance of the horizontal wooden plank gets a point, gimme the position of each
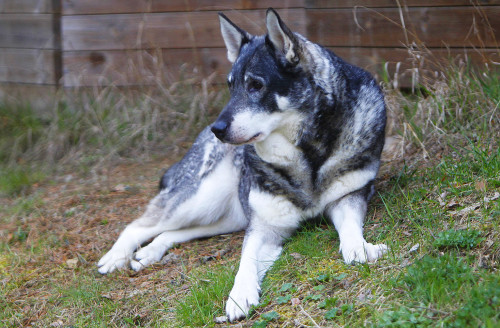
(393, 3)
(72, 7)
(29, 6)
(87, 68)
(166, 30)
(33, 31)
(38, 96)
(27, 66)
(436, 27)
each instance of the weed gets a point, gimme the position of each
(404, 318)
(458, 238)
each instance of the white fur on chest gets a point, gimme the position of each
(277, 149)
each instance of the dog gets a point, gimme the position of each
(301, 136)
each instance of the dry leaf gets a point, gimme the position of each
(441, 198)
(481, 185)
(57, 323)
(452, 204)
(414, 248)
(72, 263)
(119, 188)
(494, 197)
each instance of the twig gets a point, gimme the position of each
(307, 314)
(433, 310)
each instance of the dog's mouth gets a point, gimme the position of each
(254, 138)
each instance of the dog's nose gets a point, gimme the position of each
(219, 128)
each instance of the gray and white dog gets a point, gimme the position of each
(301, 136)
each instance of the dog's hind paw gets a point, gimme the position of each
(147, 256)
(362, 252)
(240, 301)
(113, 260)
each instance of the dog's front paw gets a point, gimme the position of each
(362, 252)
(146, 256)
(113, 260)
(241, 299)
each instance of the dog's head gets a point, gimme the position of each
(266, 82)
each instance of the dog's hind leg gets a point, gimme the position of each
(154, 251)
(182, 213)
(135, 234)
(347, 214)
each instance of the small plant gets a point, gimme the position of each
(403, 318)
(458, 239)
(267, 317)
(328, 303)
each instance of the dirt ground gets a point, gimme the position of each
(66, 224)
(71, 222)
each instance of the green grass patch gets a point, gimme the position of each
(18, 180)
(205, 300)
(442, 208)
(445, 291)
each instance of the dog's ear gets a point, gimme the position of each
(234, 37)
(281, 37)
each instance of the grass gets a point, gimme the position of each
(92, 130)
(437, 209)
(451, 280)
(205, 300)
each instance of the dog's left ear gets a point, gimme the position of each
(282, 37)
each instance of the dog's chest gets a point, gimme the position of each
(278, 150)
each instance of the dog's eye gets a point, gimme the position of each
(254, 86)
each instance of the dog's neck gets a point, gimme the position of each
(280, 146)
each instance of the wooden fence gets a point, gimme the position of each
(72, 43)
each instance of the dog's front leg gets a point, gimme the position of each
(261, 247)
(347, 214)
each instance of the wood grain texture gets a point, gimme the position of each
(434, 26)
(29, 6)
(136, 67)
(129, 42)
(27, 66)
(166, 30)
(29, 31)
(78, 7)
(393, 3)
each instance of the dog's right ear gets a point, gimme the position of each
(234, 37)
(282, 38)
